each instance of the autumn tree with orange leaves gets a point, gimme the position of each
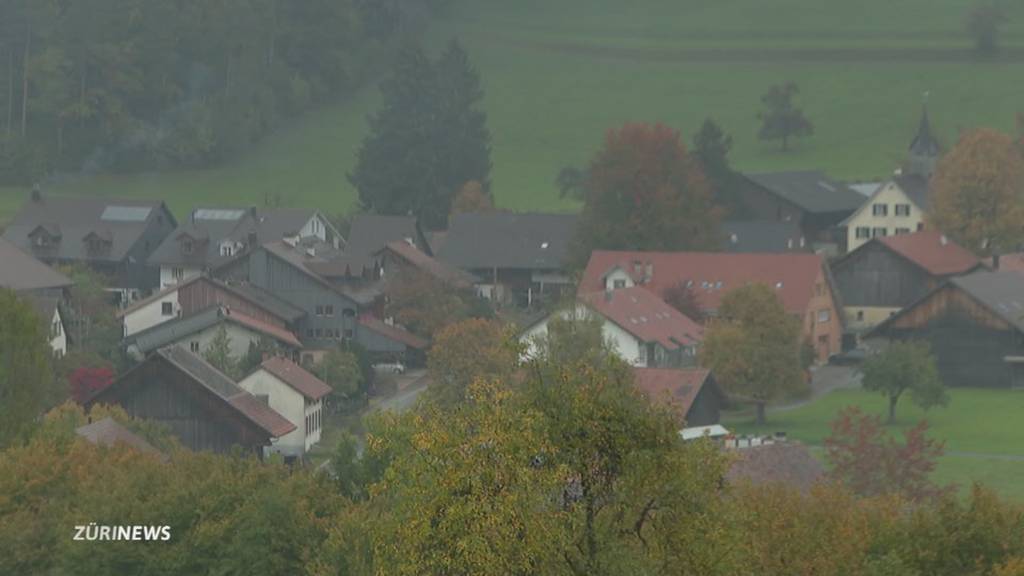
(645, 191)
(977, 193)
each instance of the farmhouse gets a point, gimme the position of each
(890, 272)
(691, 393)
(809, 199)
(196, 333)
(641, 328)
(519, 258)
(295, 394)
(802, 281)
(200, 406)
(975, 326)
(114, 237)
(213, 235)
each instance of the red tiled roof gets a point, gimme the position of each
(712, 274)
(432, 266)
(932, 251)
(393, 332)
(677, 387)
(295, 376)
(108, 432)
(261, 414)
(644, 315)
(275, 332)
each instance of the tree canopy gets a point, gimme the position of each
(781, 119)
(977, 192)
(467, 351)
(26, 376)
(902, 367)
(644, 191)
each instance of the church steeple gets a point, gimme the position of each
(924, 148)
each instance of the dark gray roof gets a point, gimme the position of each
(924, 144)
(915, 187)
(174, 330)
(45, 306)
(1000, 292)
(265, 300)
(74, 218)
(212, 226)
(762, 236)
(478, 240)
(107, 432)
(22, 271)
(812, 191)
(369, 234)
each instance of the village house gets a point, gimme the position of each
(295, 394)
(201, 292)
(691, 393)
(332, 313)
(763, 236)
(974, 325)
(518, 258)
(640, 327)
(890, 272)
(114, 237)
(211, 236)
(199, 405)
(197, 331)
(43, 287)
(802, 281)
(809, 199)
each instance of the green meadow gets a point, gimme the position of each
(981, 429)
(558, 74)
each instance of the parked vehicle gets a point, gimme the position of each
(390, 367)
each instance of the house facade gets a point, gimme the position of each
(879, 278)
(295, 394)
(114, 237)
(641, 328)
(201, 407)
(974, 325)
(896, 207)
(803, 282)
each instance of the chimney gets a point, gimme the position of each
(943, 240)
(733, 238)
(649, 273)
(995, 260)
(409, 241)
(37, 195)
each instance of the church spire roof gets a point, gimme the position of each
(924, 144)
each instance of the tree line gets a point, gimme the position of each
(121, 85)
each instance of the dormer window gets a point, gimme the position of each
(186, 246)
(227, 249)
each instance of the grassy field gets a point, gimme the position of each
(984, 441)
(558, 74)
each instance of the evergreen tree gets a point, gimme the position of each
(427, 140)
(218, 353)
(711, 147)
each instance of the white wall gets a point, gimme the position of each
(240, 338)
(151, 314)
(622, 343)
(286, 402)
(167, 276)
(890, 194)
(58, 338)
(315, 227)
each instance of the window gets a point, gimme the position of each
(319, 310)
(227, 249)
(902, 231)
(860, 315)
(863, 232)
(309, 333)
(55, 330)
(823, 316)
(902, 209)
(920, 226)
(876, 232)
(177, 273)
(166, 309)
(319, 333)
(194, 347)
(619, 283)
(349, 334)
(642, 357)
(329, 311)
(879, 209)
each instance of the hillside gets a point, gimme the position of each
(558, 74)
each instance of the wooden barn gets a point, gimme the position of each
(203, 408)
(975, 326)
(693, 393)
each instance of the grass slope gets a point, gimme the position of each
(558, 74)
(983, 442)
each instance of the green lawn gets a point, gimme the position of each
(558, 74)
(981, 428)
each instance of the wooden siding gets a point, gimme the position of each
(160, 392)
(202, 294)
(875, 276)
(706, 407)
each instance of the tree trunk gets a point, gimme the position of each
(760, 413)
(892, 408)
(10, 90)
(24, 80)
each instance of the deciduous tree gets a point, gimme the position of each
(983, 22)
(870, 462)
(425, 305)
(781, 119)
(683, 298)
(467, 351)
(753, 347)
(219, 355)
(905, 366)
(644, 191)
(572, 339)
(340, 370)
(472, 198)
(977, 193)
(26, 376)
